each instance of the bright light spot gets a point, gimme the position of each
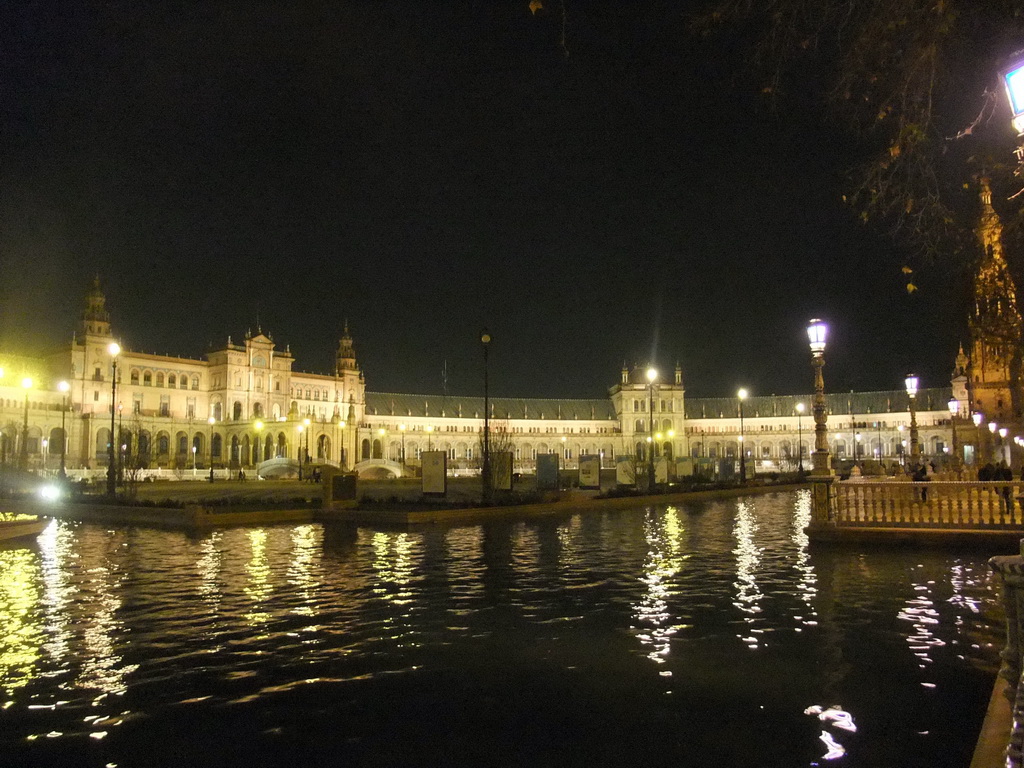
(49, 492)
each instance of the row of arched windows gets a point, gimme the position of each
(171, 381)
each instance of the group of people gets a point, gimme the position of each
(1000, 471)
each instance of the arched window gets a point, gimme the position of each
(218, 442)
(147, 378)
(160, 379)
(236, 411)
(257, 410)
(134, 378)
(378, 451)
(183, 382)
(195, 382)
(102, 443)
(172, 381)
(163, 444)
(182, 442)
(365, 449)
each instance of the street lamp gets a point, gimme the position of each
(817, 333)
(430, 432)
(903, 445)
(298, 448)
(64, 387)
(401, 428)
(258, 426)
(113, 349)
(193, 461)
(652, 375)
(800, 435)
(954, 411)
(26, 383)
(915, 446)
(1003, 447)
(977, 418)
(211, 421)
(485, 473)
(341, 447)
(307, 424)
(742, 395)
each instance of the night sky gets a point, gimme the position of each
(426, 169)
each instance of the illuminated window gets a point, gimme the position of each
(147, 379)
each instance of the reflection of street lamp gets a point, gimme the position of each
(211, 422)
(915, 445)
(800, 435)
(63, 387)
(817, 333)
(114, 349)
(652, 375)
(741, 396)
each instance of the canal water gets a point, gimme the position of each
(702, 634)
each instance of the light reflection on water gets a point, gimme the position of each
(620, 626)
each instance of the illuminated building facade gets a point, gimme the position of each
(262, 408)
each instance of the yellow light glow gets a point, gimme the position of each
(742, 394)
(63, 386)
(26, 383)
(342, 424)
(211, 421)
(114, 349)
(306, 422)
(652, 374)
(258, 425)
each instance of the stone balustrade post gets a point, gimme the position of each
(823, 500)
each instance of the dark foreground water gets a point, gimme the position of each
(698, 635)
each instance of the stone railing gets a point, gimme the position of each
(900, 502)
(1011, 569)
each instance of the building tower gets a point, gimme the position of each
(995, 324)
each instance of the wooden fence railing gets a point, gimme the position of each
(931, 504)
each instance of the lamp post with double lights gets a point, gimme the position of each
(915, 444)
(800, 436)
(113, 349)
(741, 396)
(64, 388)
(817, 334)
(652, 375)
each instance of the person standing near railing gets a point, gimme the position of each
(1003, 472)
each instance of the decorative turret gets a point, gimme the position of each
(995, 323)
(346, 358)
(625, 373)
(679, 373)
(95, 319)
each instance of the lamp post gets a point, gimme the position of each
(992, 426)
(954, 411)
(817, 333)
(485, 473)
(26, 383)
(193, 461)
(915, 445)
(652, 375)
(298, 449)
(1004, 449)
(308, 424)
(741, 395)
(64, 387)
(114, 349)
(800, 436)
(258, 426)
(430, 432)
(903, 446)
(120, 447)
(341, 447)
(977, 418)
(211, 421)
(401, 428)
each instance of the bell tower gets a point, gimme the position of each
(995, 324)
(95, 319)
